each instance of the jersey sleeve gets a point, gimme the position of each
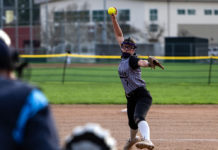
(35, 128)
(133, 62)
(41, 132)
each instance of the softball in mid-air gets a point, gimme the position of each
(112, 11)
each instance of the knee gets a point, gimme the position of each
(133, 125)
(137, 119)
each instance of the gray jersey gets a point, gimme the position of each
(130, 78)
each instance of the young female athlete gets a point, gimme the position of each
(138, 97)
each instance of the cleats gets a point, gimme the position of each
(145, 144)
(130, 143)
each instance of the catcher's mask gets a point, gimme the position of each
(8, 56)
(128, 44)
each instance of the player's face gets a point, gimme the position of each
(128, 48)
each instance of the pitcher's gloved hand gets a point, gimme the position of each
(153, 62)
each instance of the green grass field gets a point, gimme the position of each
(179, 83)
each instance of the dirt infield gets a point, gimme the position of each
(173, 127)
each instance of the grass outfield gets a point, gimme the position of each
(112, 93)
(177, 84)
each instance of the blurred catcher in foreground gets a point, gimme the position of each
(90, 137)
(26, 121)
(138, 97)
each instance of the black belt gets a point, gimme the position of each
(134, 92)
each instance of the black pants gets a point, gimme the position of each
(138, 104)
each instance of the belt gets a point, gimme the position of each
(134, 92)
(130, 94)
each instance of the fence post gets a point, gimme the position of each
(210, 69)
(65, 65)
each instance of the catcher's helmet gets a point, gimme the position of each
(90, 137)
(7, 56)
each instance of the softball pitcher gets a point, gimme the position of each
(138, 97)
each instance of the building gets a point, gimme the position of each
(145, 20)
(20, 19)
(186, 46)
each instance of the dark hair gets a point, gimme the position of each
(129, 41)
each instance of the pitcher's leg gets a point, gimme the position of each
(141, 110)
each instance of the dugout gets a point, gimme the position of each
(186, 46)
